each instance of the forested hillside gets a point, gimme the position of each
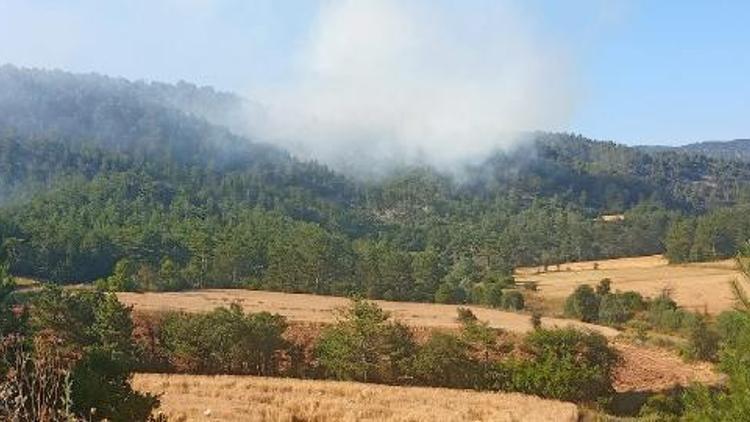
(147, 186)
(736, 149)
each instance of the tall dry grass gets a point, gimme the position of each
(246, 398)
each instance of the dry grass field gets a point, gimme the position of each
(698, 286)
(321, 309)
(246, 398)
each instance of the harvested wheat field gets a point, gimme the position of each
(247, 398)
(696, 286)
(321, 309)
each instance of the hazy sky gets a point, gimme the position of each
(631, 71)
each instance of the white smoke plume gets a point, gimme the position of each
(387, 82)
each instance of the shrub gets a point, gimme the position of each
(664, 315)
(613, 310)
(444, 362)
(225, 340)
(703, 341)
(94, 332)
(493, 294)
(633, 301)
(664, 406)
(465, 315)
(564, 364)
(583, 304)
(604, 287)
(450, 293)
(513, 300)
(365, 346)
(536, 320)
(730, 326)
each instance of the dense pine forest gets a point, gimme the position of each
(150, 186)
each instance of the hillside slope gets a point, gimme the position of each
(144, 182)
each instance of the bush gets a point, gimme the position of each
(613, 310)
(536, 320)
(664, 315)
(365, 346)
(465, 316)
(664, 406)
(583, 304)
(93, 331)
(703, 341)
(730, 326)
(450, 293)
(225, 340)
(493, 294)
(564, 364)
(444, 362)
(513, 300)
(604, 287)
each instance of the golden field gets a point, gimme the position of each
(248, 398)
(696, 286)
(321, 309)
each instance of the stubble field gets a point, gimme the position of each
(322, 309)
(247, 398)
(702, 287)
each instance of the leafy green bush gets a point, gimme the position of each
(613, 310)
(632, 300)
(225, 340)
(666, 407)
(564, 364)
(444, 362)
(513, 300)
(583, 304)
(365, 346)
(493, 294)
(664, 315)
(731, 325)
(448, 292)
(703, 341)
